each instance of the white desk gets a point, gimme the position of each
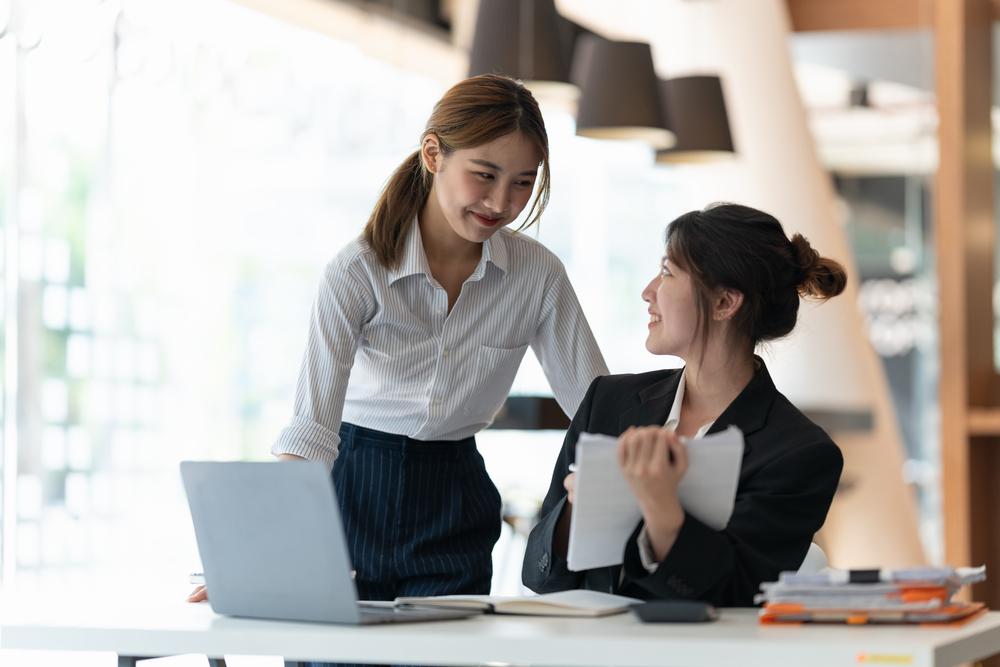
(155, 626)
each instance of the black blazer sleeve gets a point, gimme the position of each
(775, 515)
(543, 571)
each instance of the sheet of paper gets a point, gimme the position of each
(606, 511)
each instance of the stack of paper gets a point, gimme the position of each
(606, 511)
(915, 595)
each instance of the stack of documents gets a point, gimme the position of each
(914, 595)
(606, 511)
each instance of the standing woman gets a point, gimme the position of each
(730, 279)
(416, 335)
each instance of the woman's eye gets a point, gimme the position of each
(664, 270)
(485, 176)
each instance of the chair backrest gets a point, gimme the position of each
(814, 561)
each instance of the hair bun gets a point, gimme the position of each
(819, 277)
(805, 256)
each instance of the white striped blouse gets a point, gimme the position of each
(384, 353)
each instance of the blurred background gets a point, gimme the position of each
(174, 176)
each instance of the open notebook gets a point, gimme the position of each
(563, 603)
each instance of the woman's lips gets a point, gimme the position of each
(488, 222)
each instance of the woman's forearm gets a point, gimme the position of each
(290, 457)
(663, 524)
(661, 539)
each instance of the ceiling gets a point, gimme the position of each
(895, 133)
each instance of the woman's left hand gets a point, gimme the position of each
(654, 460)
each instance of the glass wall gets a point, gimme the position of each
(178, 194)
(889, 221)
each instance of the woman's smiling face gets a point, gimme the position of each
(483, 189)
(673, 311)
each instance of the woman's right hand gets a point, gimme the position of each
(570, 485)
(199, 594)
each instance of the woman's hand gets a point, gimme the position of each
(199, 594)
(570, 485)
(560, 542)
(653, 461)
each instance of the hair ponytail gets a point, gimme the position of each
(821, 277)
(472, 113)
(402, 198)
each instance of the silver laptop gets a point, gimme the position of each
(272, 545)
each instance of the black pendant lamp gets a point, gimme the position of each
(527, 40)
(696, 111)
(619, 92)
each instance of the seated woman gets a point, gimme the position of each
(731, 279)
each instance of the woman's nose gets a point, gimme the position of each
(649, 294)
(496, 199)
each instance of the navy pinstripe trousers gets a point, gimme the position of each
(421, 517)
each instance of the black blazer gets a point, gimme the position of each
(790, 471)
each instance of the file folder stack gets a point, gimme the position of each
(914, 595)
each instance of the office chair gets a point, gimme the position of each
(814, 561)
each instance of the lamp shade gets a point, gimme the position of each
(696, 112)
(619, 93)
(527, 40)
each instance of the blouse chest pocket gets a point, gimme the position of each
(491, 377)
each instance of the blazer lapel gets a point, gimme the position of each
(750, 408)
(654, 403)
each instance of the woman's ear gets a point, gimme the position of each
(727, 304)
(431, 154)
